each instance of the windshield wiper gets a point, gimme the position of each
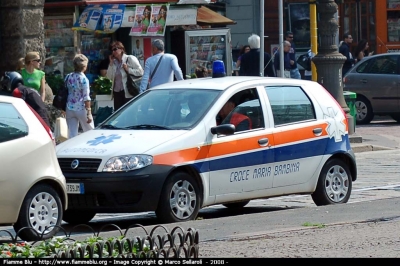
(146, 126)
(110, 127)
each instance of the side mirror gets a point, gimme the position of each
(226, 129)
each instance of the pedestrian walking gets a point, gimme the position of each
(344, 49)
(32, 75)
(286, 61)
(245, 49)
(294, 71)
(121, 65)
(362, 50)
(78, 111)
(160, 68)
(250, 61)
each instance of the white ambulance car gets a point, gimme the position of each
(174, 149)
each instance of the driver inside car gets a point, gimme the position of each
(227, 115)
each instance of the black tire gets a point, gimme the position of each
(364, 114)
(236, 205)
(179, 200)
(78, 217)
(41, 210)
(334, 184)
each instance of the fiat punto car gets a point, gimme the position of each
(32, 187)
(185, 145)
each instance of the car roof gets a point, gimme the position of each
(224, 82)
(9, 99)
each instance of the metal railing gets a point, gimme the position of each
(175, 244)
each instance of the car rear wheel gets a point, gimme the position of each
(236, 205)
(179, 200)
(42, 211)
(334, 184)
(78, 217)
(364, 110)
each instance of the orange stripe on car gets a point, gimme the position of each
(236, 146)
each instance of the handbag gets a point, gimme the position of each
(60, 100)
(133, 83)
(61, 129)
(304, 60)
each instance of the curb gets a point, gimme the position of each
(358, 147)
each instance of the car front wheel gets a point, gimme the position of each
(41, 211)
(364, 110)
(334, 184)
(179, 200)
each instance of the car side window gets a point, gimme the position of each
(12, 126)
(289, 104)
(380, 65)
(243, 110)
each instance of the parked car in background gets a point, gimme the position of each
(32, 186)
(376, 81)
(170, 150)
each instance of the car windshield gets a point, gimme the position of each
(170, 109)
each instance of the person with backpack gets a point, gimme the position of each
(13, 81)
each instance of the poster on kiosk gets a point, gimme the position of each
(150, 20)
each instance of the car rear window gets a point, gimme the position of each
(12, 126)
(289, 104)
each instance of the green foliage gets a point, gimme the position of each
(55, 82)
(319, 225)
(56, 245)
(102, 85)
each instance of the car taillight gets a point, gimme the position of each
(46, 127)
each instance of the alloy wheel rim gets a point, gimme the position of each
(43, 212)
(182, 199)
(337, 183)
(362, 110)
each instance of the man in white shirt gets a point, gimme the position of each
(166, 70)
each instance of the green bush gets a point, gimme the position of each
(102, 85)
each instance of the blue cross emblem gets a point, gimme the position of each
(103, 140)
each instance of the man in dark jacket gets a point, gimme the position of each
(250, 61)
(344, 49)
(13, 82)
(294, 71)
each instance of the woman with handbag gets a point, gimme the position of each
(78, 109)
(120, 69)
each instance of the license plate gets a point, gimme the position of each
(75, 188)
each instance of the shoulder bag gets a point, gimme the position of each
(154, 71)
(132, 82)
(60, 100)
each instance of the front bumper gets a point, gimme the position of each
(134, 191)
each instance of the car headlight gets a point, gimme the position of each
(127, 163)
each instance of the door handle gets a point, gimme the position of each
(263, 142)
(317, 131)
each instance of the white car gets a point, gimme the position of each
(167, 150)
(32, 187)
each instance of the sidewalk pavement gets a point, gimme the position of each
(358, 144)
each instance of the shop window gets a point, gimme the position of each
(59, 43)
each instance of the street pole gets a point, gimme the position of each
(329, 61)
(313, 34)
(262, 38)
(281, 62)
